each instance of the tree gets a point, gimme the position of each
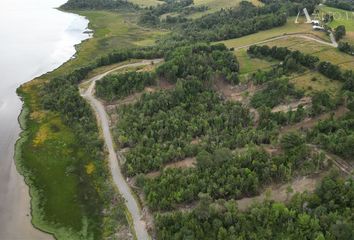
(339, 32)
(291, 140)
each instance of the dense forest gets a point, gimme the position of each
(276, 92)
(160, 126)
(116, 86)
(202, 61)
(224, 175)
(337, 136)
(325, 214)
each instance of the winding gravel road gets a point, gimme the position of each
(118, 178)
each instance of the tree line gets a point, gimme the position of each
(98, 4)
(341, 4)
(283, 54)
(346, 48)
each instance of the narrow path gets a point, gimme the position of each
(332, 44)
(333, 39)
(118, 178)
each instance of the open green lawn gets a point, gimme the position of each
(341, 17)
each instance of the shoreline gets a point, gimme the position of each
(25, 203)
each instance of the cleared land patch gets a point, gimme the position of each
(249, 64)
(284, 192)
(312, 82)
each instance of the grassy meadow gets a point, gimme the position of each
(249, 65)
(289, 28)
(310, 81)
(71, 193)
(216, 5)
(146, 3)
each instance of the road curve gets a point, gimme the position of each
(332, 44)
(118, 178)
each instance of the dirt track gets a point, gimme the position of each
(118, 178)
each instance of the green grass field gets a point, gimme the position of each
(146, 3)
(216, 5)
(249, 65)
(213, 6)
(341, 17)
(65, 182)
(311, 82)
(289, 28)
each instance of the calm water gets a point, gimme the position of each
(34, 39)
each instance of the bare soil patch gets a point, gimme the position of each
(283, 192)
(196, 141)
(305, 102)
(240, 92)
(186, 163)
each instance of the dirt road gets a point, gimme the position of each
(118, 178)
